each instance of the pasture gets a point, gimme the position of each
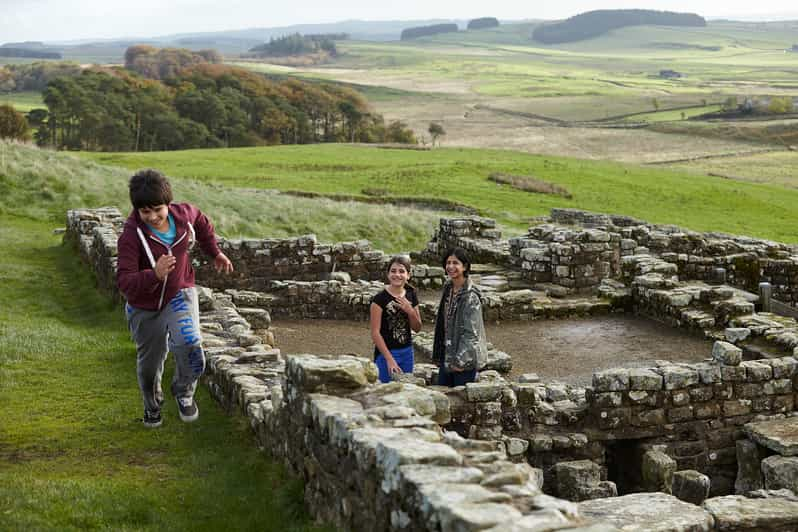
(497, 88)
(23, 101)
(461, 175)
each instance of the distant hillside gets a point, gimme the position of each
(9, 51)
(594, 23)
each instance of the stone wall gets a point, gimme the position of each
(476, 235)
(747, 261)
(379, 457)
(260, 261)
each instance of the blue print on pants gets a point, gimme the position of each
(178, 303)
(187, 331)
(196, 361)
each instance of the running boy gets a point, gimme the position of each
(154, 274)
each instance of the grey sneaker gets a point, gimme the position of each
(187, 408)
(152, 419)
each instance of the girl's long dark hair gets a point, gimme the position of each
(462, 256)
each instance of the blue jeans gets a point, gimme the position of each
(403, 357)
(455, 378)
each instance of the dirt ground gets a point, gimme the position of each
(565, 350)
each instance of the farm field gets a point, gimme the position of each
(461, 175)
(22, 101)
(497, 88)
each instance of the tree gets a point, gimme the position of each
(655, 104)
(780, 105)
(435, 130)
(13, 124)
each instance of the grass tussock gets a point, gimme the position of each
(529, 184)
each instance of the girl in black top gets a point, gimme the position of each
(393, 314)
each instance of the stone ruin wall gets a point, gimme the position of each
(679, 417)
(577, 249)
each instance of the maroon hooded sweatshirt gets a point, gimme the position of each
(139, 249)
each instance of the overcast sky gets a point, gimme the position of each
(49, 20)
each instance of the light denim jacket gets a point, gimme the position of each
(465, 344)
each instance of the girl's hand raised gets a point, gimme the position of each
(405, 304)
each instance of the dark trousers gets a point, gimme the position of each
(455, 378)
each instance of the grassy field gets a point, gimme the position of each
(23, 101)
(73, 453)
(498, 88)
(42, 184)
(461, 175)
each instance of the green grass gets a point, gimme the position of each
(42, 184)
(73, 455)
(697, 202)
(23, 101)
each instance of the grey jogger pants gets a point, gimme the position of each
(174, 328)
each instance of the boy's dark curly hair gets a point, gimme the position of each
(149, 188)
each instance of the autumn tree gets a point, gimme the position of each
(13, 124)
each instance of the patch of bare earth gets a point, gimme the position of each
(564, 350)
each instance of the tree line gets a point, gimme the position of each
(165, 63)
(426, 31)
(202, 105)
(594, 23)
(34, 76)
(298, 44)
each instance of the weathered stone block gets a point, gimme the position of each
(643, 398)
(726, 353)
(735, 512)
(736, 334)
(777, 387)
(649, 418)
(780, 472)
(657, 471)
(483, 391)
(608, 399)
(708, 373)
(732, 373)
(677, 377)
(645, 380)
(679, 414)
(680, 397)
(783, 368)
(614, 418)
(612, 380)
(526, 394)
(706, 410)
(749, 467)
(690, 486)
(540, 443)
(779, 435)
(740, 407)
(573, 479)
(757, 371)
(700, 394)
(650, 512)
(489, 413)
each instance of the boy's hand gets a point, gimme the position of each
(164, 266)
(222, 263)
